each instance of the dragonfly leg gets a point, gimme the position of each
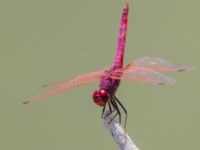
(103, 110)
(113, 117)
(110, 109)
(124, 109)
(114, 104)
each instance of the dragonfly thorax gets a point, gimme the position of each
(101, 97)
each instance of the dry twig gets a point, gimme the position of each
(118, 133)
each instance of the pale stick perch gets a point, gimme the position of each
(122, 139)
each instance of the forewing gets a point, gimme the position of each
(142, 74)
(159, 64)
(68, 84)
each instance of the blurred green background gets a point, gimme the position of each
(42, 41)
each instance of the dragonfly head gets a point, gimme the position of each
(101, 97)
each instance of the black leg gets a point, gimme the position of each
(111, 110)
(110, 107)
(117, 108)
(124, 109)
(103, 110)
(113, 105)
(113, 117)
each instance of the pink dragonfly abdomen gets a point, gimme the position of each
(106, 82)
(119, 56)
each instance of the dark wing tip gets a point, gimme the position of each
(26, 102)
(169, 81)
(161, 83)
(186, 68)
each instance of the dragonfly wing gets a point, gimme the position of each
(68, 84)
(142, 74)
(160, 64)
(89, 75)
(56, 83)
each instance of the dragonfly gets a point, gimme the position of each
(146, 69)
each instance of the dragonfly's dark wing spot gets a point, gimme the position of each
(160, 64)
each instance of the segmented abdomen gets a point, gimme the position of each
(118, 62)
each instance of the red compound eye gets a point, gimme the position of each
(101, 97)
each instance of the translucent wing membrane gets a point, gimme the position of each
(142, 74)
(146, 69)
(56, 83)
(160, 64)
(68, 84)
